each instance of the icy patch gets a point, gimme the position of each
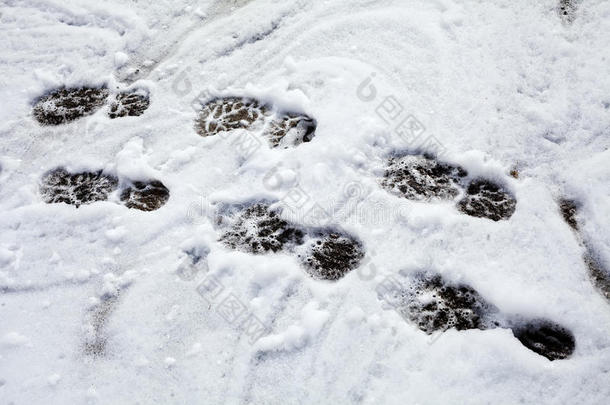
(65, 105)
(61, 186)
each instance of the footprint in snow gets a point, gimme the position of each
(229, 113)
(258, 229)
(331, 255)
(423, 178)
(145, 196)
(61, 186)
(546, 338)
(129, 104)
(434, 304)
(326, 254)
(65, 105)
(281, 129)
(485, 199)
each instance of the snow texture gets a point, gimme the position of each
(117, 285)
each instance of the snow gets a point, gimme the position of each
(14, 339)
(296, 336)
(501, 85)
(120, 59)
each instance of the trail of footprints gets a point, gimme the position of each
(64, 105)
(425, 299)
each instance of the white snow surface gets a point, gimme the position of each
(501, 84)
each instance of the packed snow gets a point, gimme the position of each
(117, 286)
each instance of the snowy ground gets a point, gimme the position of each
(501, 85)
